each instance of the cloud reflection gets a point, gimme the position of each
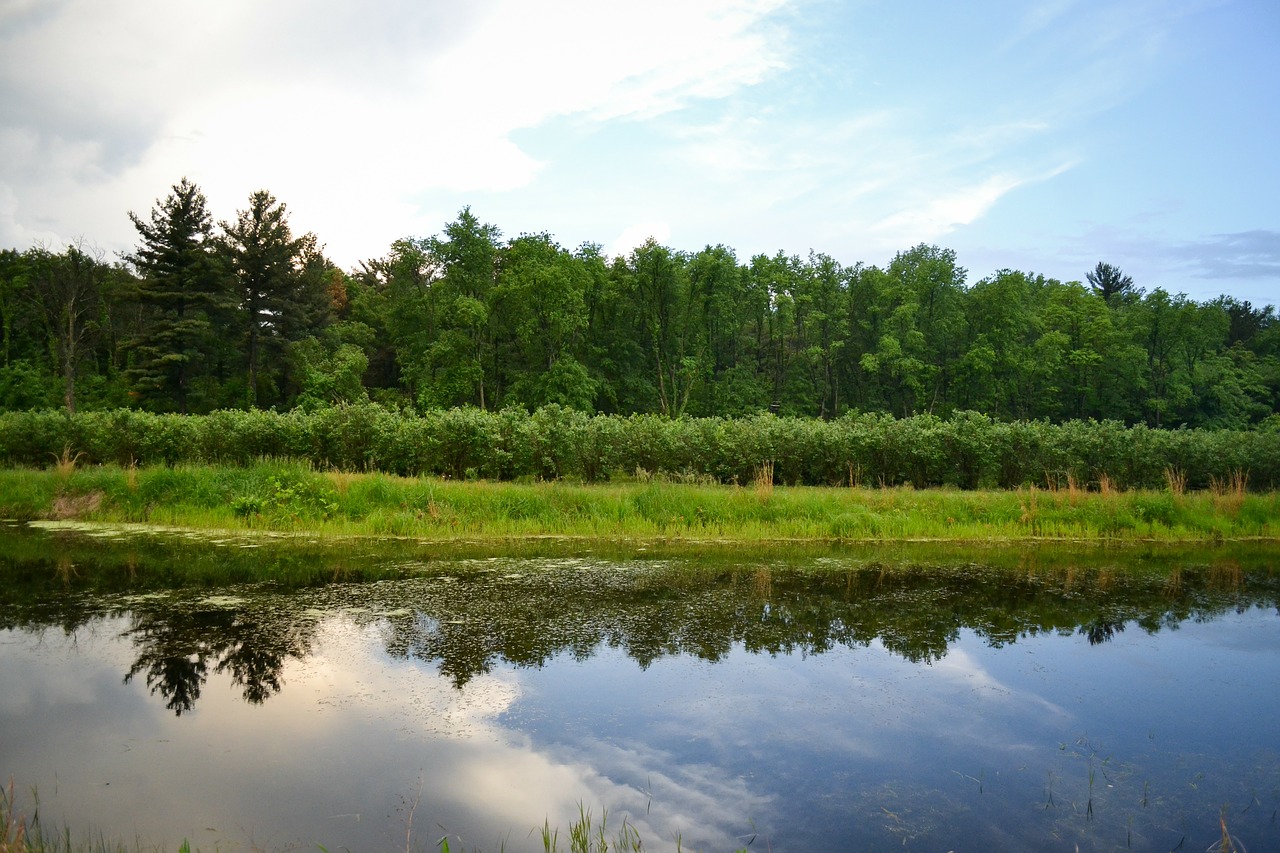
(496, 772)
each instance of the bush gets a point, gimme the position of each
(968, 450)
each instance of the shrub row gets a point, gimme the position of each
(968, 450)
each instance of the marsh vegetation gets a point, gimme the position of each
(293, 497)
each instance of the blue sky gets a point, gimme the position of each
(1037, 136)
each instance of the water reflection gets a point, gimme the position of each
(466, 616)
(179, 644)
(877, 701)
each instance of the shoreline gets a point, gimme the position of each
(109, 527)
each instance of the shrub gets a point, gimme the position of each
(968, 450)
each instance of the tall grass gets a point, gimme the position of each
(18, 834)
(22, 834)
(290, 496)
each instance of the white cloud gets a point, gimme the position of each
(936, 215)
(348, 112)
(633, 236)
(761, 124)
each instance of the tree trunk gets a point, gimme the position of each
(69, 364)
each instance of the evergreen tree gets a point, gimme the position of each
(1109, 283)
(276, 285)
(183, 295)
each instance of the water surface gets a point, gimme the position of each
(373, 695)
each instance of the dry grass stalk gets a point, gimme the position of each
(13, 828)
(764, 480)
(1176, 479)
(1106, 486)
(342, 480)
(1229, 491)
(1228, 843)
(65, 464)
(1029, 509)
(1235, 483)
(67, 507)
(1074, 492)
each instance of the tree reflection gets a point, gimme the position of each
(465, 617)
(177, 648)
(918, 612)
(1101, 631)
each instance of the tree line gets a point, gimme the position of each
(245, 314)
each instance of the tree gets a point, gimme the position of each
(932, 276)
(719, 309)
(183, 293)
(540, 315)
(449, 294)
(770, 291)
(28, 379)
(1001, 372)
(1098, 371)
(1109, 283)
(268, 264)
(68, 291)
(329, 370)
(613, 352)
(659, 279)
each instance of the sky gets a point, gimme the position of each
(1039, 135)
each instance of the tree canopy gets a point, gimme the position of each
(247, 314)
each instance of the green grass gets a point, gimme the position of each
(286, 496)
(22, 834)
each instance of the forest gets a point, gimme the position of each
(245, 314)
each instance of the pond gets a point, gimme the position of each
(376, 696)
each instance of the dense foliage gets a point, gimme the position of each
(245, 314)
(554, 442)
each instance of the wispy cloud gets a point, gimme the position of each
(1246, 254)
(936, 215)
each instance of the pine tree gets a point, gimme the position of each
(182, 293)
(281, 284)
(1110, 283)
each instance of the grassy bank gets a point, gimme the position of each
(292, 497)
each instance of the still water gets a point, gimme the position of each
(378, 697)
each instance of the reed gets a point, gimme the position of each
(764, 480)
(1229, 492)
(13, 827)
(1106, 486)
(1074, 491)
